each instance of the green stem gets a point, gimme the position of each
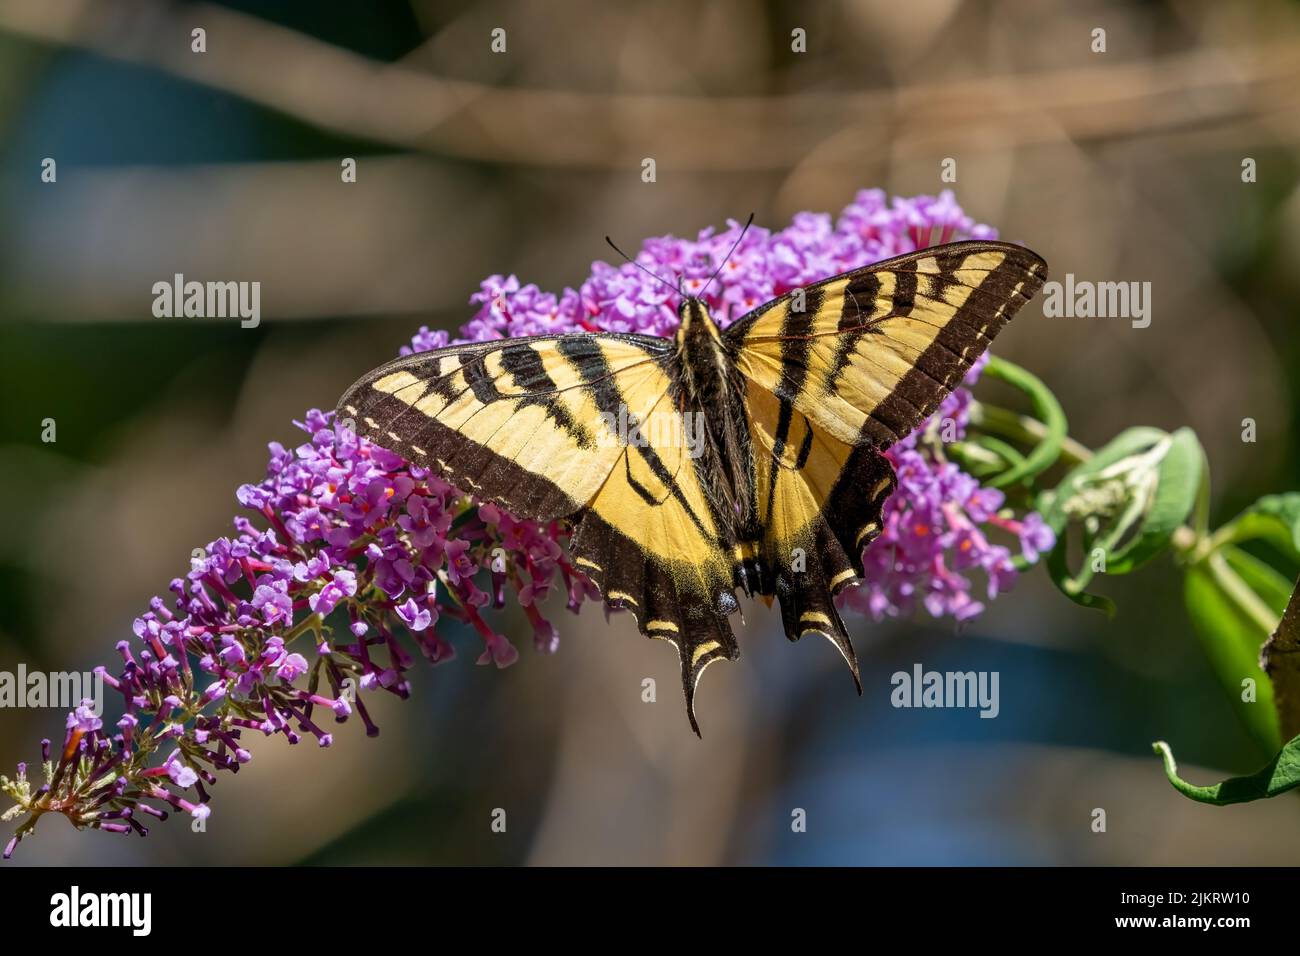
(1003, 450)
(1201, 513)
(1049, 411)
(311, 622)
(1025, 429)
(974, 453)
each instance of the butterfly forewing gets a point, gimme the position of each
(524, 422)
(870, 354)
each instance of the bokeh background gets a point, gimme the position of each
(1117, 166)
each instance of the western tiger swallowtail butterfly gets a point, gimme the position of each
(788, 409)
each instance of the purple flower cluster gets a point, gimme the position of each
(286, 625)
(766, 264)
(356, 542)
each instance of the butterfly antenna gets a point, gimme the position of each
(748, 223)
(652, 275)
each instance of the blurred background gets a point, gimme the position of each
(1123, 165)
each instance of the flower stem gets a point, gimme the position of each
(1048, 448)
(1024, 428)
(1241, 594)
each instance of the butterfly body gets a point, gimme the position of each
(792, 406)
(710, 387)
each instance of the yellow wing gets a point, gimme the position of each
(541, 426)
(838, 371)
(819, 503)
(650, 542)
(530, 423)
(870, 354)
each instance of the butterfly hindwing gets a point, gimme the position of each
(650, 542)
(819, 504)
(870, 354)
(541, 426)
(672, 601)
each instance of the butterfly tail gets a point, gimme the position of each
(828, 556)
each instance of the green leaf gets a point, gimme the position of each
(1281, 774)
(1232, 632)
(1275, 518)
(1126, 503)
(1265, 580)
(1179, 477)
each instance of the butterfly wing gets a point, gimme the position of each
(651, 543)
(870, 354)
(819, 503)
(522, 422)
(533, 424)
(841, 372)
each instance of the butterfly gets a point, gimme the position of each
(741, 458)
